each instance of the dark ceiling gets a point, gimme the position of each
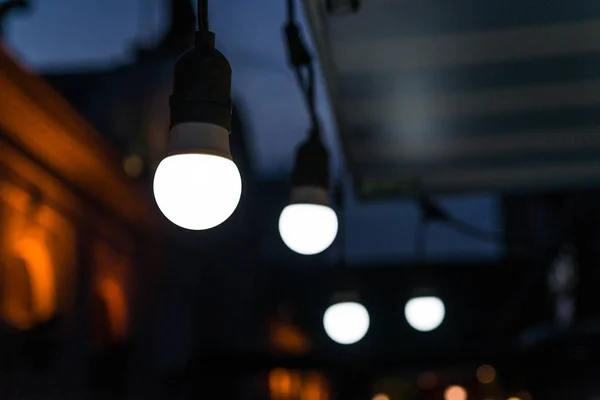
(466, 95)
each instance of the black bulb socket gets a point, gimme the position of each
(202, 85)
(312, 164)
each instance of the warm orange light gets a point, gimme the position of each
(286, 385)
(111, 292)
(30, 293)
(288, 338)
(280, 383)
(41, 271)
(455, 393)
(16, 294)
(486, 374)
(314, 387)
(381, 396)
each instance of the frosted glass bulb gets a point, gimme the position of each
(308, 228)
(197, 191)
(425, 313)
(346, 323)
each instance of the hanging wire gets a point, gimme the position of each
(341, 236)
(302, 64)
(203, 16)
(291, 11)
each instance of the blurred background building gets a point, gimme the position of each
(464, 140)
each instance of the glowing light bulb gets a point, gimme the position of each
(347, 322)
(381, 396)
(308, 228)
(425, 313)
(197, 191)
(455, 393)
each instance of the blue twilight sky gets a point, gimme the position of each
(64, 34)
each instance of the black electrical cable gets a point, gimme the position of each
(203, 16)
(291, 11)
(301, 59)
(341, 236)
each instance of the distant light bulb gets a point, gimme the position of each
(346, 323)
(197, 191)
(308, 228)
(425, 313)
(455, 393)
(381, 396)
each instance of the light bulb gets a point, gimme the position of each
(308, 228)
(425, 313)
(455, 393)
(346, 323)
(197, 191)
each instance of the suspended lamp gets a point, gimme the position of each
(198, 186)
(346, 321)
(425, 313)
(307, 225)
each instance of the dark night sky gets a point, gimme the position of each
(81, 33)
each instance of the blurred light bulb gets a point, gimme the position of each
(308, 228)
(197, 191)
(455, 393)
(347, 322)
(425, 313)
(133, 165)
(381, 396)
(486, 374)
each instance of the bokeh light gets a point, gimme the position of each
(381, 396)
(133, 165)
(524, 396)
(455, 393)
(486, 374)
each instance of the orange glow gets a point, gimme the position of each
(455, 393)
(486, 374)
(112, 294)
(280, 383)
(30, 292)
(286, 385)
(314, 387)
(381, 396)
(288, 338)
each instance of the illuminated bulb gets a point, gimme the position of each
(198, 190)
(425, 313)
(308, 226)
(455, 393)
(198, 186)
(347, 322)
(381, 396)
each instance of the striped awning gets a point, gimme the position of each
(465, 95)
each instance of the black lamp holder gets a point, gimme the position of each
(312, 161)
(202, 80)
